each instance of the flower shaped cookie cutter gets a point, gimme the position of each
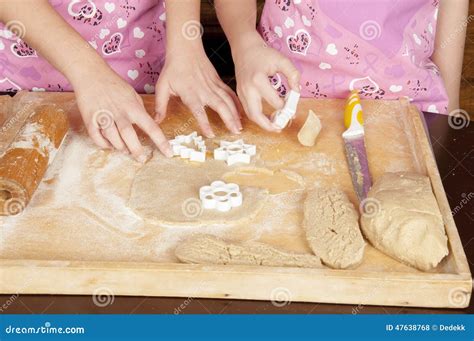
(220, 196)
(235, 152)
(180, 145)
(282, 117)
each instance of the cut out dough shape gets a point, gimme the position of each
(207, 249)
(407, 224)
(166, 191)
(310, 130)
(332, 228)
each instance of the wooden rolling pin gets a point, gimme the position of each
(25, 161)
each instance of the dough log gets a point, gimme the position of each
(332, 228)
(405, 221)
(207, 249)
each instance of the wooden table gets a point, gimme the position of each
(455, 160)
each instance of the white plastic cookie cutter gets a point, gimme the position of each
(180, 145)
(282, 117)
(235, 152)
(220, 196)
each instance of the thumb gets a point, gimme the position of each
(286, 67)
(162, 96)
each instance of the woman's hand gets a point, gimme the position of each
(255, 62)
(189, 74)
(109, 107)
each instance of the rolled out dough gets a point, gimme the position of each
(166, 192)
(310, 130)
(207, 249)
(332, 228)
(407, 224)
(275, 182)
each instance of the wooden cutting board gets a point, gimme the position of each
(77, 236)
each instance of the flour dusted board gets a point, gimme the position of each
(78, 234)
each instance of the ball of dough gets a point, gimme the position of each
(403, 220)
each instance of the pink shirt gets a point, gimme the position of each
(381, 47)
(128, 34)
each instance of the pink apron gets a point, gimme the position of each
(128, 34)
(381, 47)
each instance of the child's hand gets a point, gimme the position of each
(255, 62)
(109, 107)
(189, 74)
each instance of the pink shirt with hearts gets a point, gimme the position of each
(128, 34)
(382, 47)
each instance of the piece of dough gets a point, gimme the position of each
(332, 228)
(166, 192)
(405, 221)
(207, 249)
(310, 130)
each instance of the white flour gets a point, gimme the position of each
(32, 137)
(89, 189)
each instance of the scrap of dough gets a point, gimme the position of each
(207, 249)
(332, 228)
(166, 192)
(407, 224)
(310, 130)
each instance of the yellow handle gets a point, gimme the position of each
(353, 110)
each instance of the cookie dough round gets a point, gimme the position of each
(403, 220)
(166, 192)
